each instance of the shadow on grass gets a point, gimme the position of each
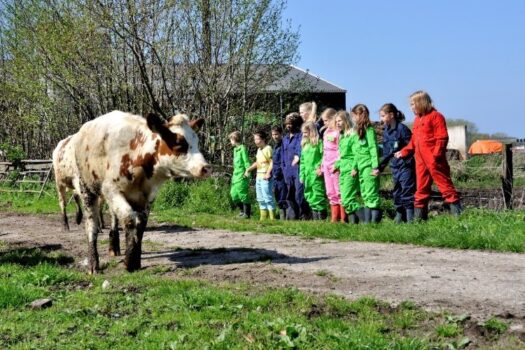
(34, 255)
(226, 256)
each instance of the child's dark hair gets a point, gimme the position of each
(391, 108)
(277, 128)
(295, 120)
(363, 119)
(262, 134)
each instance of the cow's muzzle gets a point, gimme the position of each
(205, 171)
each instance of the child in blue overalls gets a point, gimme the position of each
(396, 135)
(279, 186)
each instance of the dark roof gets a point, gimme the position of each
(296, 79)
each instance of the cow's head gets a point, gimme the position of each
(179, 149)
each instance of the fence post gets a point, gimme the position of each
(507, 176)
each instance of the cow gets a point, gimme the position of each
(66, 178)
(126, 158)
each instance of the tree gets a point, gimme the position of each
(65, 62)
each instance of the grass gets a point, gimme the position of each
(149, 311)
(475, 229)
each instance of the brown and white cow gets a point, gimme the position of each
(66, 178)
(126, 158)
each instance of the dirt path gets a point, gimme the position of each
(479, 283)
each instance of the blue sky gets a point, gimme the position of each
(468, 55)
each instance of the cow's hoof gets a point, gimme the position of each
(132, 266)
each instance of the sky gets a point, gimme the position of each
(468, 55)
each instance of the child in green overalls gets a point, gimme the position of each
(366, 165)
(348, 183)
(240, 183)
(310, 173)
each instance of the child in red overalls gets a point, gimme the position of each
(429, 146)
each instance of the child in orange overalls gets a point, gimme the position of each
(429, 146)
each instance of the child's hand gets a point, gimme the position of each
(295, 160)
(301, 181)
(375, 172)
(267, 176)
(247, 173)
(334, 170)
(398, 154)
(353, 173)
(319, 172)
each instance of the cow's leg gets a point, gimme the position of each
(134, 233)
(91, 224)
(61, 190)
(78, 218)
(114, 243)
(101, 212)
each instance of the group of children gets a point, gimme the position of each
(331, 161)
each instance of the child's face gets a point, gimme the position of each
(233, 142)
(288, 127)
(339, 123)
(276, 136)
(387, 118)
(414, 107)
(355, 118)
(259, 142)
(303, 112)
(306, 134)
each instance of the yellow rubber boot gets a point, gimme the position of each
(271, 214)
(264, 214)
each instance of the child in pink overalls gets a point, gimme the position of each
(330, 156)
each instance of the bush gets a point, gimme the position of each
(210, 196)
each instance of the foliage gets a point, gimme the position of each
(65, 62)
(13, 154)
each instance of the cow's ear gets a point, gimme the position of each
(196, 124)
(155, 123)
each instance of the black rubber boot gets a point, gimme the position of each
(322, 215)
(247, 210)
(241, 209)
(353, 219)
(410, 214)
(360, 214)
(376, 215)
(456, 209)
(367, 215)
(420, 214)
(399, 216)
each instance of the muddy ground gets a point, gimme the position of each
(482, 284)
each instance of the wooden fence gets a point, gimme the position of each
(27, 171)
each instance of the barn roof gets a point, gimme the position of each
(297, 79)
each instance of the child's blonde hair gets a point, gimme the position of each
(311, 108)
(313, 135)
(363, 119)
(347, 122)
(329, 114)
(235, 136)
(422, 101)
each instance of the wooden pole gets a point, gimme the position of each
(507, 176)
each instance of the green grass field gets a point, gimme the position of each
(147, 310)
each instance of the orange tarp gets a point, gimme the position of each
(486, 147)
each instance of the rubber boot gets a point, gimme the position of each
(247, 210)
(376, 215)
(399, 216)
(241, 209)
(410, 214)
(264, 214)
(360, 213)
(353, 218)
(335, 212)
(367, 215)
(315, 215)
(344, 217)
(420, 214)
(323, 215)
(271, 214)
(282, 214)
(456, 209)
